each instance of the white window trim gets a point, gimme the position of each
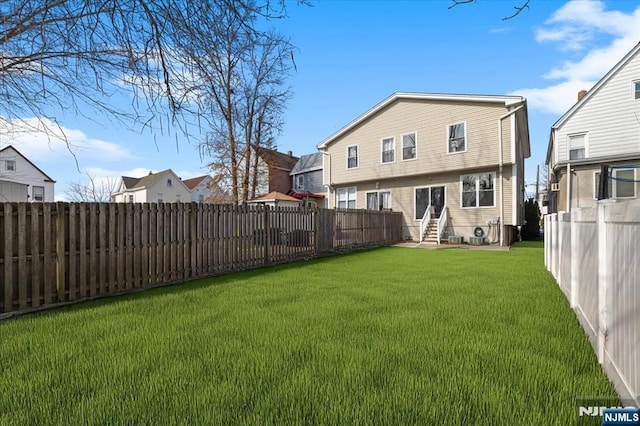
(347, 188)
(466, 139)
(402, 146)
(357, 157)
(614, 190)
(378, 191)
(586, 144)
(393, 144)
(296, 183)
(633, 90)
(478, 191)
(33, 193)
(6, 165)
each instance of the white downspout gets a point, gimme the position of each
(328, 182)
(500, 161)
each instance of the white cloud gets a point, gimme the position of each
(556, 99)
(598, 39)
(44, 140)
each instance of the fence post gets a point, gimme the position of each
(60, 252)
(267, 235)
(604, 277)
(574, 247)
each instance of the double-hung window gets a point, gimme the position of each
(378, 200)
(388, 150)
(299, 182)
(352, 156)
(478, 190)
(457, 138)
(577, 146)
(38, 193)
(10, 165)
(636, 89)
(347, 198)
(409, 146)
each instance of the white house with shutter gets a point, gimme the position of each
(602, 128)
(22, 180)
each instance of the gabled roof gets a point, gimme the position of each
(633, 52)
(596, 87)
(47, 178)
(505, 100)
(308, 163)
(149, 180)
(193, 182)
(277, 159)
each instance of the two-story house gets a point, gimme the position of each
(454, 163)
(22, 180)
(161, 187)
(306, 180)
(601, 128)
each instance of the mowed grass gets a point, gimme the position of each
(386, 336)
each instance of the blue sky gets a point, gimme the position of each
(353, 54)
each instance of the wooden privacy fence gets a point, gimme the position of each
(64, 252)
(594, 255)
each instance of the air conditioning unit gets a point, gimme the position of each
(455, 239)
(555, 186)
(476, 241)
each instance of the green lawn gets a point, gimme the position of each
(387, 336)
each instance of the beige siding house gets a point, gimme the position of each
(452, 164)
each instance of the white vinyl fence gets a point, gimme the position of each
(594, 255)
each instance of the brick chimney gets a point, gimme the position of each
(581, 94)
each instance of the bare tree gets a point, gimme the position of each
(243, 87)
(92, 189)
(518, 9)
(74, 55)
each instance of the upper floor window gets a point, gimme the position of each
(388, 150)
(378, 200)
(169, 182)
(131, 198)
(347, 198)
(636, 89)
(299, 182)
(201, 198)
(409, 146)
(577, 146)
(457, 138)
(10, 165)
(352, 156)
(38, 193)
(160, 197)
(478, 190)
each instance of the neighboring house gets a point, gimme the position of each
(306, 180)
(16, 168)
(200, 188)
(161, 187)
(602, 128)
(460, 155)
(274, 168)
